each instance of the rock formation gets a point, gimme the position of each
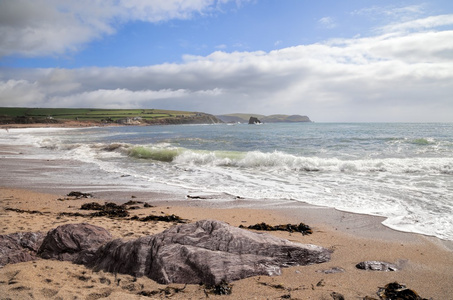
(206, 252)
(19, 247)
(254, 120)
(373, 265)
(68, 241)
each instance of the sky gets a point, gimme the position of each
(332, 60)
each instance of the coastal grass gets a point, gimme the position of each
(88, 114)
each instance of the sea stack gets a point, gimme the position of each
(254, 120)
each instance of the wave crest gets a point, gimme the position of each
(269, 161)
(288, 162)
(159, 154)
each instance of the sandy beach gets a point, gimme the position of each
(425, 263)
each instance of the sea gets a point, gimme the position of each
(400, 171)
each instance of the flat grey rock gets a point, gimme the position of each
(373, 265)
(206, 252)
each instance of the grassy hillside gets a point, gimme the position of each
(238, 118)
(51, 115)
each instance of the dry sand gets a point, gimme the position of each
(426, 263)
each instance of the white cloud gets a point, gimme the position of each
(114, 98)
(42, 27)
(327, 22)
(401, 13)
(20, 93)
(420, 24)
(47, 27)
(388, 77)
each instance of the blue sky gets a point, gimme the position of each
(331, 60)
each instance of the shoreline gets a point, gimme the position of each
(425, 261)
(54, 176)
(425, 265)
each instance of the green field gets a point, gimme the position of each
(87, 114)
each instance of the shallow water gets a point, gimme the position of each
(400, 171)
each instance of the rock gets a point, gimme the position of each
(397, 291)
(207, 252)
(19, 247)
(254, 120)
(376, 266)
(68, 241)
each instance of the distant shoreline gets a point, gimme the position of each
(64, 117)
(65, 124)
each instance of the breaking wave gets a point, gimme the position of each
(158, 154)
(400, 171)
(282, 161)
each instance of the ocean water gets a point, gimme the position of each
(403, 172)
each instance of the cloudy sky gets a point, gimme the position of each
(347, 61)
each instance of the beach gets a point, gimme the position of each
(425, 262)
(33, 196)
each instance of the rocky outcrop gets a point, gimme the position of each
(68, 241)
(373, 265)
(206, 252)
(254, 120)
(19, 247)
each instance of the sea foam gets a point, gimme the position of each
(402, 172)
